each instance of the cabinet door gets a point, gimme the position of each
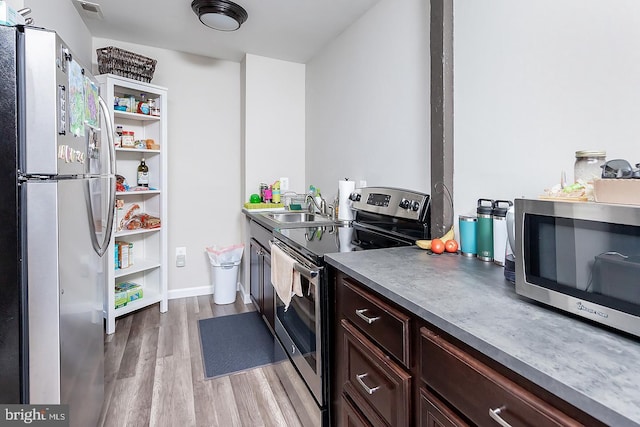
(255, 274)
(434, 413)
(268, 302)
(350, 416)
(483, 395)
(371, 376)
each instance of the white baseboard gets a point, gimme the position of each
(246, 298)
(189, 292)
(196, 291)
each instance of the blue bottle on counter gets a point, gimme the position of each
(467, 225)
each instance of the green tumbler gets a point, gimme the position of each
(484, 230)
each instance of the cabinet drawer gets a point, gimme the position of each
(434, 413)
(480, 393)
(386, 326)
(372, 377)
(358, 408)
(351, 417)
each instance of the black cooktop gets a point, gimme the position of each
(315, 242)
(385, 217)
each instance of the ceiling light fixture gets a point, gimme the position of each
(220, 15)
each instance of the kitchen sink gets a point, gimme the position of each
(289, 217)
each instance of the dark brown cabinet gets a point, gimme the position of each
(434, 413)
(268, 302)
(371, 359)
(483, 395)
(255, 273)
(385, 325)
(351, 417)
(392, 368)
(372, 377)
(261, 289)
(260, 282)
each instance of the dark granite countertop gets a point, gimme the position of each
(595, 369)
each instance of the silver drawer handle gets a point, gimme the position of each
(495, 415)
(367, 319)
(364, 386)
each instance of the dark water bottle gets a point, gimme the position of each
(484, 230)
(500, 208)
(509, 253)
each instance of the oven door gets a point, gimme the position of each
(299, 327)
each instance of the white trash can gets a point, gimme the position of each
(224, 280)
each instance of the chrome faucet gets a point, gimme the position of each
(322, 207)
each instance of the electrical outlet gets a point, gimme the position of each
(181, 256)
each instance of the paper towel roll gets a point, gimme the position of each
(345, 235)
(345, 188)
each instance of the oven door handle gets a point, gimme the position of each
(310, 274)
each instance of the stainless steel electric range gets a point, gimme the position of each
(384, 217)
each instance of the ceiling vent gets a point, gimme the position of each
(87, 9)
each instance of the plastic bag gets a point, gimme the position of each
(134, 219)
(225, 256)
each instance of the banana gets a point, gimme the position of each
(449, 235)
(426, 244)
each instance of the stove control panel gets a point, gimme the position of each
(376, 199)
(393, 202)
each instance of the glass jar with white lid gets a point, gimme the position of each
(588, 165)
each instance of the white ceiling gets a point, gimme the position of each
(291, 30)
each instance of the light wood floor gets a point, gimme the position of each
(154, 375)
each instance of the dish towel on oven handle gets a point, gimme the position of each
(284, 278)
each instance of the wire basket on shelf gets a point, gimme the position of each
(123, 63)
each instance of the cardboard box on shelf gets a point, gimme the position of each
(124, 254)
(134, 293)
(121, 299)
(132, 290)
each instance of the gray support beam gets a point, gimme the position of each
(441, 115)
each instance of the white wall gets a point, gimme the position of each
(273, 123)
(204, 160)
(368, 102)
(15, 4)
(536, 81)
(63, 17)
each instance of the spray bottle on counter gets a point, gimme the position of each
(275, 192)
(315, 192)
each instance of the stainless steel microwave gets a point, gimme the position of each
(581, 257)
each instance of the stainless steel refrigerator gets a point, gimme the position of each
(57, 189)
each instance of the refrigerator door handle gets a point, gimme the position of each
(112, 149)
(101, 248)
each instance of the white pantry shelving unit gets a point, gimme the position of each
(149, 268)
